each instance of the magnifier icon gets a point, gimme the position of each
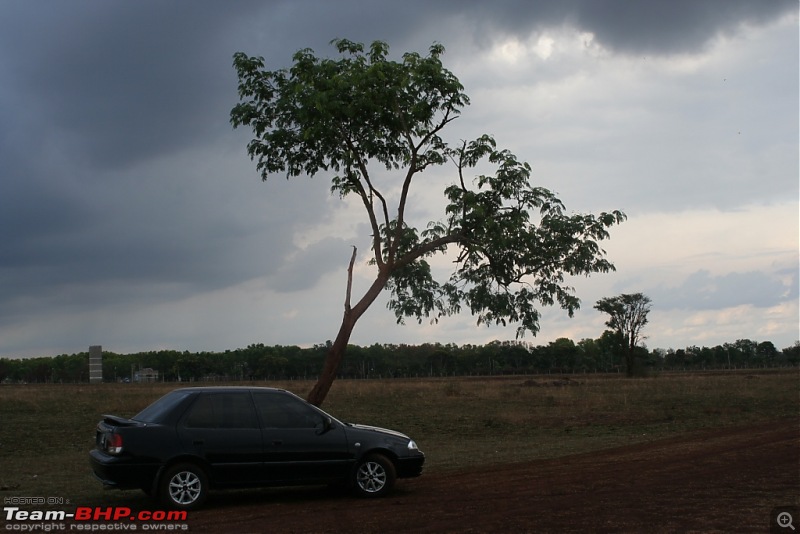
(785, 520)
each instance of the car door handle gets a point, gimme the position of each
(277, 442)
(198, 442)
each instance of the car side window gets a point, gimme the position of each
(222, 410)
(201, 414)
(278, 410)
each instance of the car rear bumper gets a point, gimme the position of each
(121, 473)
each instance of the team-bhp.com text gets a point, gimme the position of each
(87, 518)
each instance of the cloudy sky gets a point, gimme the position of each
(132, 218)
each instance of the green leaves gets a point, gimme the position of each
(518, 243)
(627, 313)
(336, 114)
(514, 242)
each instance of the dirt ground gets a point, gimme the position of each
(726, 480)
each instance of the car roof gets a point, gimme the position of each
(217, 389)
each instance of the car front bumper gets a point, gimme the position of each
(410, 466)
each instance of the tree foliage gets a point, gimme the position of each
(627, 317)
(513, 243)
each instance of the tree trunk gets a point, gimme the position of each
(332, 361)
(629, 358)
(630, 355)
(351, 315)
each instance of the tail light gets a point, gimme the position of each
(113, 444)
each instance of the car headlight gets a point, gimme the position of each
(412, 446)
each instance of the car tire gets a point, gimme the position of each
(183, 487)
(374, 476)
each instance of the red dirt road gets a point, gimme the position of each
(725, 480)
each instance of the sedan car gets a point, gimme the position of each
(195, 439)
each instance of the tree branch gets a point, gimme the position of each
(426, 248)
(412, 170)
(347, 307)
(367, 201)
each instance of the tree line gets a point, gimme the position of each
(262, 362)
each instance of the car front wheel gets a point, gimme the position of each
(374, 476)
(184, 486)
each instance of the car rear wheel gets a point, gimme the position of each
(184, 486)
(374, 476)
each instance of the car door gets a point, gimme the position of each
(301, 443)
(222, 428)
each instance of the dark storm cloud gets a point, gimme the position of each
(628, 26)
(639, 27)
(92, 92)
(116, 82)
(92, 89)
(625, 26)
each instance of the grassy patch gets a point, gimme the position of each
(46, 431)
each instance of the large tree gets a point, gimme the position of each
(627, 317)
(512, 244)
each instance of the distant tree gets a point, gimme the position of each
(611, 348)
(564, 354)
(628, 316)
(767, 353)
(792, 354)
(591, 354)
(5, 369)
(514, 242)
(746, 351)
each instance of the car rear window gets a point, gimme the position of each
(160, 408)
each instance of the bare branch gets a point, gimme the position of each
(347, 307)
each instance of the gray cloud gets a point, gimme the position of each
(703, 291)
(303, 269)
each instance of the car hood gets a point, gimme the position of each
(378, 429)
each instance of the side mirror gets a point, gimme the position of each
(324, 426)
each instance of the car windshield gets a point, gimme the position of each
(156, 411)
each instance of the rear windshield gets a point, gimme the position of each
(161, 408)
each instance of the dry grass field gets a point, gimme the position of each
(47, 430)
